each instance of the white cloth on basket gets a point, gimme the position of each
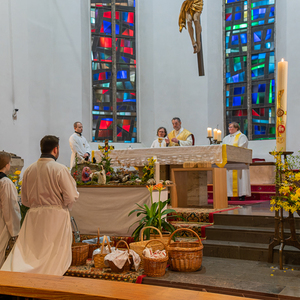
(157, 254)
(119, 258)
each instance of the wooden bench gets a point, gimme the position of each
(60, 287)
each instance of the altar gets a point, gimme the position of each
(190, 185)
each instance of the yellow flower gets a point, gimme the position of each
(298, 192)
(297, 176)
(17, 172)
(150, 188)
(294, 197)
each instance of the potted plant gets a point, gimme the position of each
(155, 215)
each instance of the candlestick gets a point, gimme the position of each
(219, 135)
(215, 134)
(209, 132)
(281, 105)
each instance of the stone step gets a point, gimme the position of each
(249, 251)
(249, 220)
(242, 234)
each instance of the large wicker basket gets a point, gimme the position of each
(80, 253)
(185, 256)
(127, 265)
(155, 267)
(99, 258)
(138, 247)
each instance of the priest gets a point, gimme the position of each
(238, 181)
(9, 208)
(179, 136)
(45, 239)
(79, 145)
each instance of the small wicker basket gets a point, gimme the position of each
(80, 253)
(99, 258)
(138, 247)
(185, 256)
(155, 267)
(93, 247)
(127, 265)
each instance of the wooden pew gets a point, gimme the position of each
(60, 287)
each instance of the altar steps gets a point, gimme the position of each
(246, 237)
(258, 192)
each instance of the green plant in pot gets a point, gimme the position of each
(155, 215)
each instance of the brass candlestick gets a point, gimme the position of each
(213, 141)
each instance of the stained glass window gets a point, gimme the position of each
(123, 106)
(261, 55)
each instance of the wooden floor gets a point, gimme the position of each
(60, 287)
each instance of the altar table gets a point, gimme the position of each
(107, 207)
(221, 157)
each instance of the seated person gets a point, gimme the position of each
(161, 140)
(179, 136)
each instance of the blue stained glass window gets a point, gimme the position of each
(96, 107)
(254, 98)
(262, 88)
(271, 68)
(268, 34)
(238, 8)
(257, 47)
(235, 40)
(257, 36)
(244, 38)
(237, 16)
(107, 27)
(268, 45)
(122, 75)
(237, 67)
(239, 90)
(237, 101)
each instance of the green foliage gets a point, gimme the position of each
(152, 216)
(148, 170)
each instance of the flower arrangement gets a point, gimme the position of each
(148, 170)
(15, 178)
(105, 159)
(155, 215)
(288, 184)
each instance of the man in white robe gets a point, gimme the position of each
(79, 145)
(238, 181)
(45, 239)
(9, 208)
(179, 136)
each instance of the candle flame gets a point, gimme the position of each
(282, 59)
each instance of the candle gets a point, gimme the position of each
(219, 135)
(93, 155)
(209, 132)
(281, 105)
(215, 134)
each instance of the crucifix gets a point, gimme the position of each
(190, 12)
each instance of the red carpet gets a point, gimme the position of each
(238, 202)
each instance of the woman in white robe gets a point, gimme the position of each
(161, 140)
(9, 207)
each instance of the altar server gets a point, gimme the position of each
(179, 136)
(79, 145)
(161, 140)
(238, 181)
(9, 208)
(45, 239)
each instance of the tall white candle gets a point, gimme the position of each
(215, 134)
(281, 105)
(209, 132)
(219, 134)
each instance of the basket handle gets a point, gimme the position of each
(105, 239)
(184, 229)
(123, 243)
(142, 232)
(98, 237)
(156, 241)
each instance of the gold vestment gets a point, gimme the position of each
(191, 7)
(182, 136)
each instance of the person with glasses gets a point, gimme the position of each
(238, 181)
(161, 140)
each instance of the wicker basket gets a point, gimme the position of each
(93, 247)
(155, 267)
(138, 247)
(80, 253)
(99, 258)
(185, 256)
(127, 265)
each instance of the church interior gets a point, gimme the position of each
(124, 79)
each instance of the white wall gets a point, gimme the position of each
(45, 73)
